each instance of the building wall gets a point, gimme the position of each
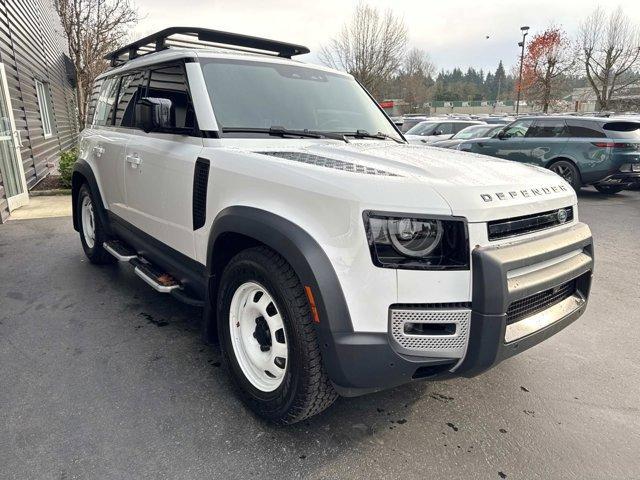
(32, 48)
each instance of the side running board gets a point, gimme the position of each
(153, 276)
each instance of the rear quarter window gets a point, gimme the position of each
(627, 130)
(584, 130)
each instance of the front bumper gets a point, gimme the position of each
(503, 274)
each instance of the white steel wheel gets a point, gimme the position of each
(88, 221)
(258, 336)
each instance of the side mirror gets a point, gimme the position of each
(502, 134)
(154, 114)
(438, 132)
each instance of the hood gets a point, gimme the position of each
(475, 186)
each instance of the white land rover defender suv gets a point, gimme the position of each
(330, 257)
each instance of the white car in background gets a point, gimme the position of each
(433, 130)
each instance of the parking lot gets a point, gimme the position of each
(102, 377)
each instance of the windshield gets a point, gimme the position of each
(423, 128)
(261, 95)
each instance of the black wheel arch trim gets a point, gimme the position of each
(306, 257)
(83, 173)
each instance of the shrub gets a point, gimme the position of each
(67, 159)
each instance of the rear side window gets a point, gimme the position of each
(170, 83)
(628, 130)
(106, 102)
(584, 129)
(93, 100)
(548, 128)
(132, 89)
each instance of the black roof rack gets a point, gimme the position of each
(192, 37)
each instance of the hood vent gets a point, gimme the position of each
(326, 162)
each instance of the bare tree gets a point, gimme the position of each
(371, 47)
(546, 65)
(93, 28)
(609, 47)
(416, 78)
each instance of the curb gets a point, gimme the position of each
(48, 193)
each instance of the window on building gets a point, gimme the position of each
(44, 102)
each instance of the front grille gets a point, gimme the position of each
(511, 227)
(533, 304)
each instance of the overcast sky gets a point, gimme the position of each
(453, 32)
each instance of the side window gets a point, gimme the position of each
(584, 130)
(445, 128)
(518, 128)
(93, 101)
(460, 126)
(132, 89)
(106, 102)
(170, 83)
(548, 128)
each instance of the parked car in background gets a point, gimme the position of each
(432, 130)
(410, 122)
(599, 151)
(470, 133)
(498, 120)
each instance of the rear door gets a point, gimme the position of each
(104, 146)
(159, 166)
(545, 140)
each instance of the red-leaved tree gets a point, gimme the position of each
(547, 62)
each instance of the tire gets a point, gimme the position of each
(568, 171)
(609, 189)
(301, 388)
(92, 232)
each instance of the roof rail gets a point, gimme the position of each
(193, 37)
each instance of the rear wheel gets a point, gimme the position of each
(92, 233)
(268, 339)
(609, 189)
(568, 172)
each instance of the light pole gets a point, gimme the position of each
(525, 31)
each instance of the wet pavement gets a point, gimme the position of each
(102, 377)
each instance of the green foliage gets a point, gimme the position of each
(67, 160)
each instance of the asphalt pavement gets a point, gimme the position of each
(101, 377)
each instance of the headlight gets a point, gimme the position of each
(415, 242)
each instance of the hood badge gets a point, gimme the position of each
(525, 193)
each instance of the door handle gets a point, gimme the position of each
(98, 150)
(134, 159)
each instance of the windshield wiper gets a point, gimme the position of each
(282, 132)
(365, 134)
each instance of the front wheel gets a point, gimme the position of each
(609, 189)
(568, 172)
(268, 339)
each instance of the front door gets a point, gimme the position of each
(510, 145)
(11, 169)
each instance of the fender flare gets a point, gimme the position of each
(306, 257)
(298, 248)
(83, 173)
